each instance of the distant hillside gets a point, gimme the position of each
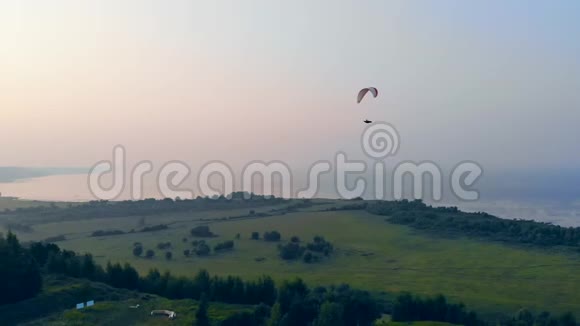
(11, 174)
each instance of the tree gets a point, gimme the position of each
(295, 239)
(19, 274)
(169, 255)
(187, 252)
(227, 245)
(88, 267)
(331, 314)
(202, 249)
(525, 317)
(150, 254)
(130, 277)
(243, 318)
(410, 308)
(137, 251)
(275, 315)
(307, 258)
(261, 313)
(255, 236)
(202, 231)
(201, 317)
(568, 319)
(272, 236)
(291, 251)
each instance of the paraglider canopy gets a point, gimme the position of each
(364, 92)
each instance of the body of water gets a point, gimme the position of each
(75, 188)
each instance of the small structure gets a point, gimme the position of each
(80, 306)
(168, 313)
(90, 303)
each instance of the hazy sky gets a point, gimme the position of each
(497, 82)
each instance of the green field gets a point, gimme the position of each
(370, 254)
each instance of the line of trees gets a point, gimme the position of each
(412, 308)
(141, 208)
(155, 228)
(525, 317)
(103, 233)
(450, 220)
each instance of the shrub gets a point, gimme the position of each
(202, 231)
(137, 251)
(272, 236)
(227, 245)
(202, 249)
(163, 245)
(150, 254)
(320, 245)
(291, 251)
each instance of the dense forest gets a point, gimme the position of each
(20, 276)
(452, 221)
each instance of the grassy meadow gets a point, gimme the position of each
(369, 254)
